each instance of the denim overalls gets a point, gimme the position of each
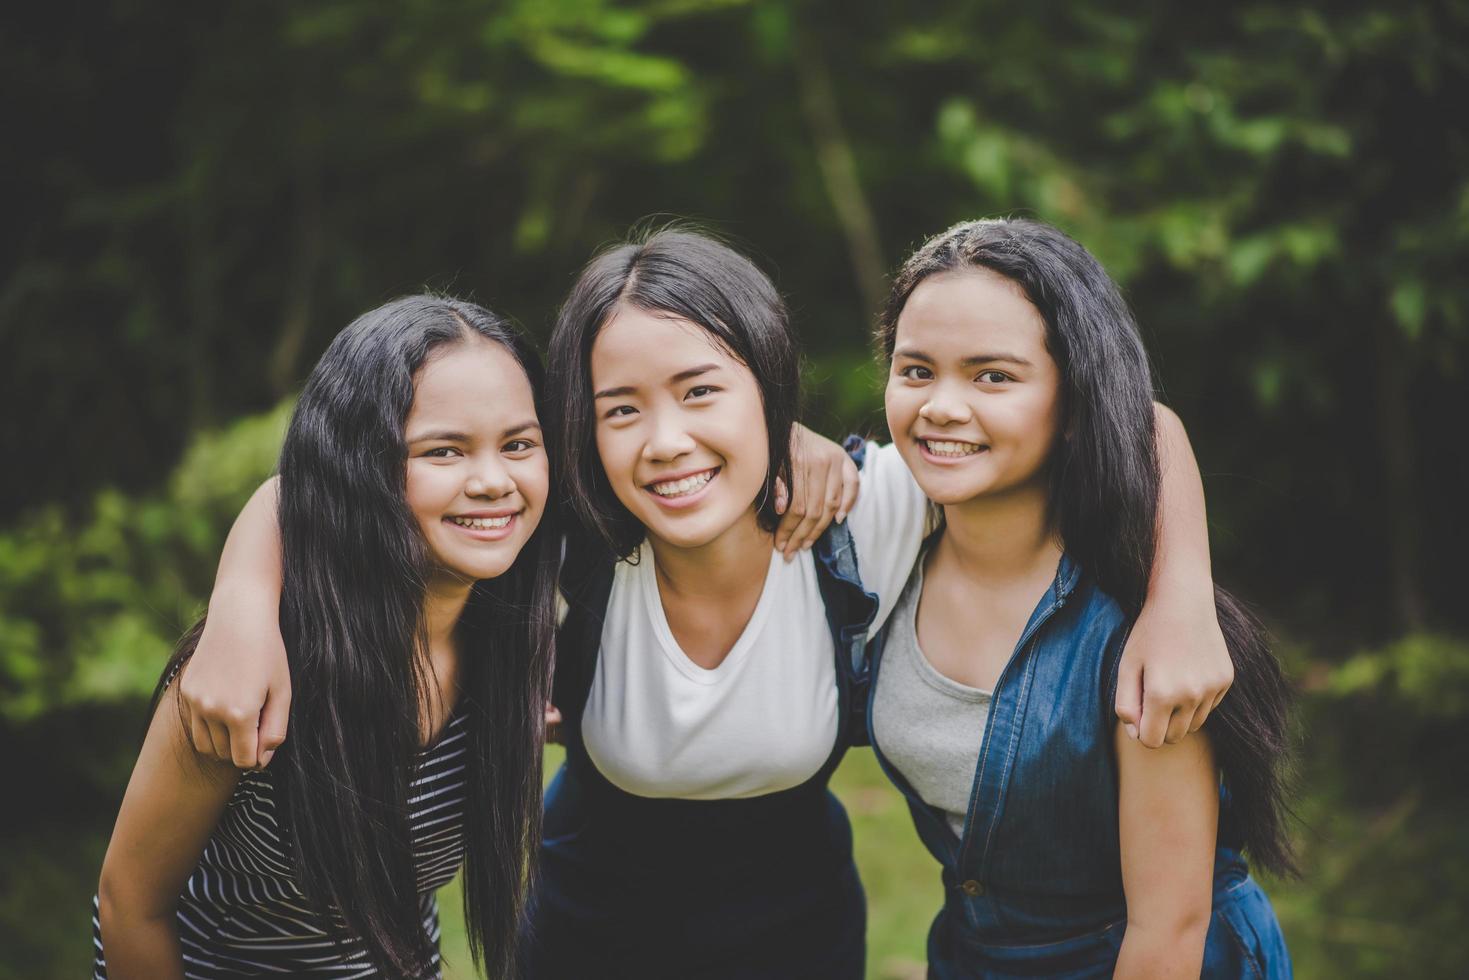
(763, 887)
(1034, 887)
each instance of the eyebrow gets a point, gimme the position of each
(451, 435)
(684, 375)
(917, 355)
(443, 435)
(525, 426)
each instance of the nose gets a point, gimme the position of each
(944, 407)
(490, 479)
(669, 438)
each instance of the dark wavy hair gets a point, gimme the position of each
(356, 570)
(1104, 484)
(681, 273)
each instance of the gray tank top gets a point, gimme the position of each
(930, 727)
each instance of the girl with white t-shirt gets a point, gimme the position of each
(705, 683)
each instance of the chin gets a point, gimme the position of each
(948, 493)
(482, 566)
(693, 531)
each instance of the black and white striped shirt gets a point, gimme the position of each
(241, 911)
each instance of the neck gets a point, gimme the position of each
(731, 562)
(442, 605)
(998, 538)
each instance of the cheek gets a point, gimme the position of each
(418, 488)
(901, 406)
(614, 451)
(428, 493)
(533, 480)
(1034, 425)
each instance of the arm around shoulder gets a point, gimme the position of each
(236, 688)
(1175, 668)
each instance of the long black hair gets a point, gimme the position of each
(686, 274)
(356, 570)
(1104, 484)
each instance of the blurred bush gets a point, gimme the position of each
(92, 599)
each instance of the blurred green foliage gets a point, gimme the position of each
(200, 195)
(93, 598)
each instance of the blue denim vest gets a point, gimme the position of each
(1034, 885)
(639, 887)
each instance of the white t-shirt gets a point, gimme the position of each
(659, 725)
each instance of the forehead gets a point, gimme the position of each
(476, 380)
(638, 347)
(969, 306)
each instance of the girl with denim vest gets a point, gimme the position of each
(1020, 396)
(705, 684)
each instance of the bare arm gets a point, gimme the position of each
(1175, 668)
(236, 688)
(173, 803)
(826, 483)
(1168, 817)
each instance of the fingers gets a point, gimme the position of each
(791, 533)
(1178, 722)
(1200, 715)
(244, 733)
(782, 496)
(1152, 729)
(808, 529)
(219, 740)
(790, 520)
(199, 733)
(274, 718)
(1129, 704)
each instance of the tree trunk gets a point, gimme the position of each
(1399, 469)
(839, 173)
(309, 236)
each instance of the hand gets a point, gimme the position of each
(553, 724)
(826, 483)
(236, 689)
(1175, 670)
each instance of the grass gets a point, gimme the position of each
(1386, 884)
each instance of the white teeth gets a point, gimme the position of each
(951, 448)
(680, 488)
(482, 523)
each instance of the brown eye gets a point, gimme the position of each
(993, 377)
(916, 372)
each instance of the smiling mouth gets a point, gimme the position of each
(950, 449)
(684, 486)
(493, 528)
(482, 523)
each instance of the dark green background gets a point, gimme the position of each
(198, 196)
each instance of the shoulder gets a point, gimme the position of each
(1093, 626)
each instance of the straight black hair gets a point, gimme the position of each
(356, 570)
(674, 272)
(1104, 484)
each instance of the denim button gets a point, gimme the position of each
(972, 888)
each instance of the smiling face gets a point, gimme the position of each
(973, 396)
(477, 475)
(680, 427)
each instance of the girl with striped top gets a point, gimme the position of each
(416, 614)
